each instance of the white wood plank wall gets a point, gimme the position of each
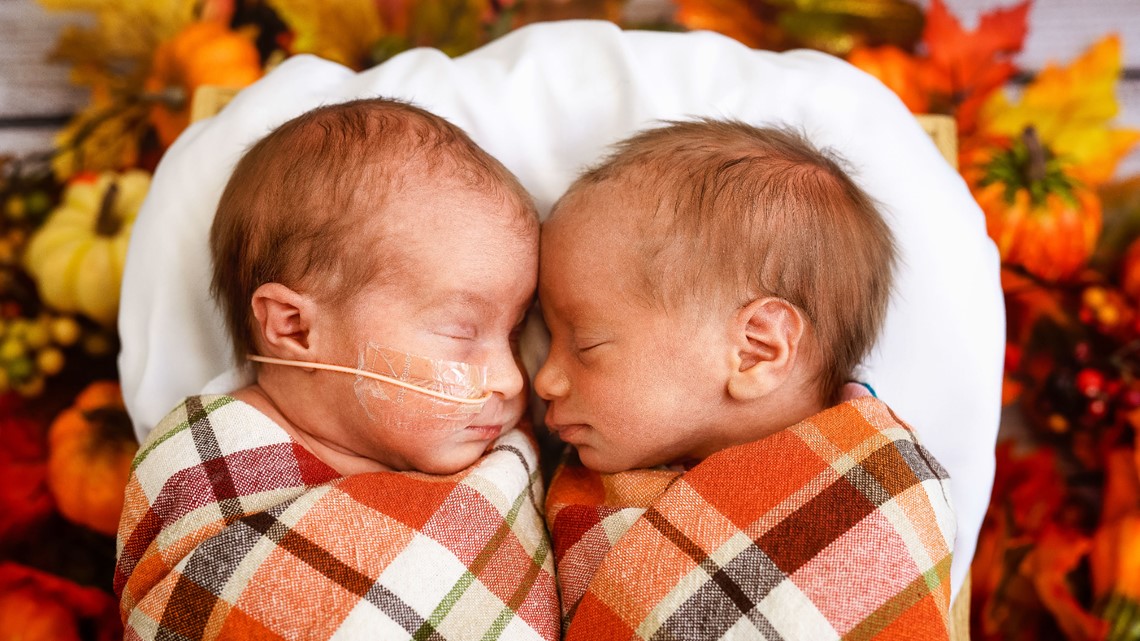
(35, 95)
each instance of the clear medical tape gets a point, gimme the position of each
(405, 391)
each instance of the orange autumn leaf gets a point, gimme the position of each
(1070, 108)
(977, 62)
(911, 78)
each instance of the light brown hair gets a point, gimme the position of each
(293, 210)
(736, 212)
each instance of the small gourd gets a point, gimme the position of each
(90, 448)
(1041, 218)
(77, 257)
(203, 53)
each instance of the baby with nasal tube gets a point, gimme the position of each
(382, 311)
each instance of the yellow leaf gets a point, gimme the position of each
(1071, 108)
(343, 32)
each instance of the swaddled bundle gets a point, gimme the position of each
(838, 527)
(233, 530)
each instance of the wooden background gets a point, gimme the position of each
(36, 98)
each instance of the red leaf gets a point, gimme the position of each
(976, 62)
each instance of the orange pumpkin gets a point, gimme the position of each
(203, 53)
(91, 446)
(1041, 218)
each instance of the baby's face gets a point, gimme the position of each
(468, 281)
(629, 385)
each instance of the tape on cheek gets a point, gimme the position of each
(415, 393)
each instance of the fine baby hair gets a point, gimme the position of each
(293, 213)
(741, 211)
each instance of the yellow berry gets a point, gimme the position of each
(1108, 315)
(1095, 297)
(15, 208)
(20, 370)
(50, 361)
(4, 383)
(32, 387)
(65, 331)
(37, 335)
(11, 349)
(17, 328)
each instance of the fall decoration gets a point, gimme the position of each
(960, 69)
(91, 447)
(77, 257)
(1058, 554)
(36, 606)
(24, 496)
(1070, 108)
(203, 53)
(1042, 219)
(828, 25)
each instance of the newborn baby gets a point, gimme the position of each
(374, 264)
(710, 289)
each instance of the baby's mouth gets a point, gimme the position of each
(487, 432)
(567, 432)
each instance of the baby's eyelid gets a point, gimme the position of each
(459, 331)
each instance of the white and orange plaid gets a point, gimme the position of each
(839, 527)
(231, 530)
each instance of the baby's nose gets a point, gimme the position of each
(505, 377)
(551, 382)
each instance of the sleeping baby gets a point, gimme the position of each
(710, 289)
(373, 482)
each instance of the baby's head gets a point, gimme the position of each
(708, 284)
(369, 230)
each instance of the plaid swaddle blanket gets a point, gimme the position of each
(838, 527)
(231, 530)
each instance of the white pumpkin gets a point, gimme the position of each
(77, 257)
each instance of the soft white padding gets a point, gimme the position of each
(547, 100)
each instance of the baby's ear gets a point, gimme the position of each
(766, 339)
(283, 320)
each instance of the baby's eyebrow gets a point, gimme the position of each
(467, 299)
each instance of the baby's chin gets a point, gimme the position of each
(610, 461)
(452, 458)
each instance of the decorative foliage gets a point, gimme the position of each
(959, 69)
(202, 53)
(112, 57)
(834, 26)
(1071, 109)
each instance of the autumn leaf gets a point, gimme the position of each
(974, 63)
(343, 32)
(910, 77)
(1070, 108)
(111, 53)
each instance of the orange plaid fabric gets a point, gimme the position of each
(233, 531)
(839, 527)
